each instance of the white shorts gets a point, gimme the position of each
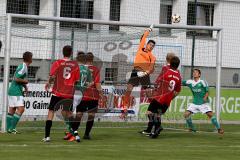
(77, 99)
(15, 101)
(203, 108)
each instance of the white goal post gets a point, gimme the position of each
(7, 51)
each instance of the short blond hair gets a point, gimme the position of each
(169, 56)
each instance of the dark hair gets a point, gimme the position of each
(27, 56)
(81, 57)
(67, 51)
(151, 41)
(89, 57)
(196, 69)
(174, 62)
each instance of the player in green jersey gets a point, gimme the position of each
(15, 93)
(85, 79)
(80, 87)
(200, 102)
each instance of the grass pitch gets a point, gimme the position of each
(122, 144)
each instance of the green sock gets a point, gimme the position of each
(215, 122)
(67, 123)
(190, 124)
(16, 118)
(9, 122)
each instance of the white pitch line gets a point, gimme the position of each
(116, 145)
(14, 145)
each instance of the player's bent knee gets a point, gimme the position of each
(210, 114)
(79, 114)
(20, 110)
(91, 115)
(12, 110)
(186, 114)
(149, 113)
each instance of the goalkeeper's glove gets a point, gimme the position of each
(141, 74)
(150, 28)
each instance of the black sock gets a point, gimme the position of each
(89, 126)
(157, 124)
(75, 125)
(48, 128)
(72, 122)
(78, 124)
(75, 122)
(150, 123)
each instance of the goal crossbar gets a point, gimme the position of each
(119, 23)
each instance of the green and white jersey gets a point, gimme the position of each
(16, 89)
(85, 78)
(199, 90)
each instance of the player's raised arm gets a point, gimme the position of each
(143, 39)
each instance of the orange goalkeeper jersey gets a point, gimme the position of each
(144, 60)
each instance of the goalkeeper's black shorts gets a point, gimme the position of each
(136, 81)
(156, 107)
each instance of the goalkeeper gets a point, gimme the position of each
(143, 65)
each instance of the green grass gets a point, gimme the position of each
(122, 144)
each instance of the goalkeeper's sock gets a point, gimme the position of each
(150, 123)
(190, 124)
(16, 118)
(215, 122)
(9, 121)
(48, 128)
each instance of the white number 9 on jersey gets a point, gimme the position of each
(66, 72)
(171, 86)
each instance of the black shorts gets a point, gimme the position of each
(57, 102)
(135, 80)
(90, 106)
(156, 107)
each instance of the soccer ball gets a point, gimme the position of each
(176, 18)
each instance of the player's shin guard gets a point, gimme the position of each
(9, 122)
(190, 124)
(15, 120)
(215, 122)
(48, 128)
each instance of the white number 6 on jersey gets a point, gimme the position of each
(171, 85)
(66, 72)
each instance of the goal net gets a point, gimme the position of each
(114, 45)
